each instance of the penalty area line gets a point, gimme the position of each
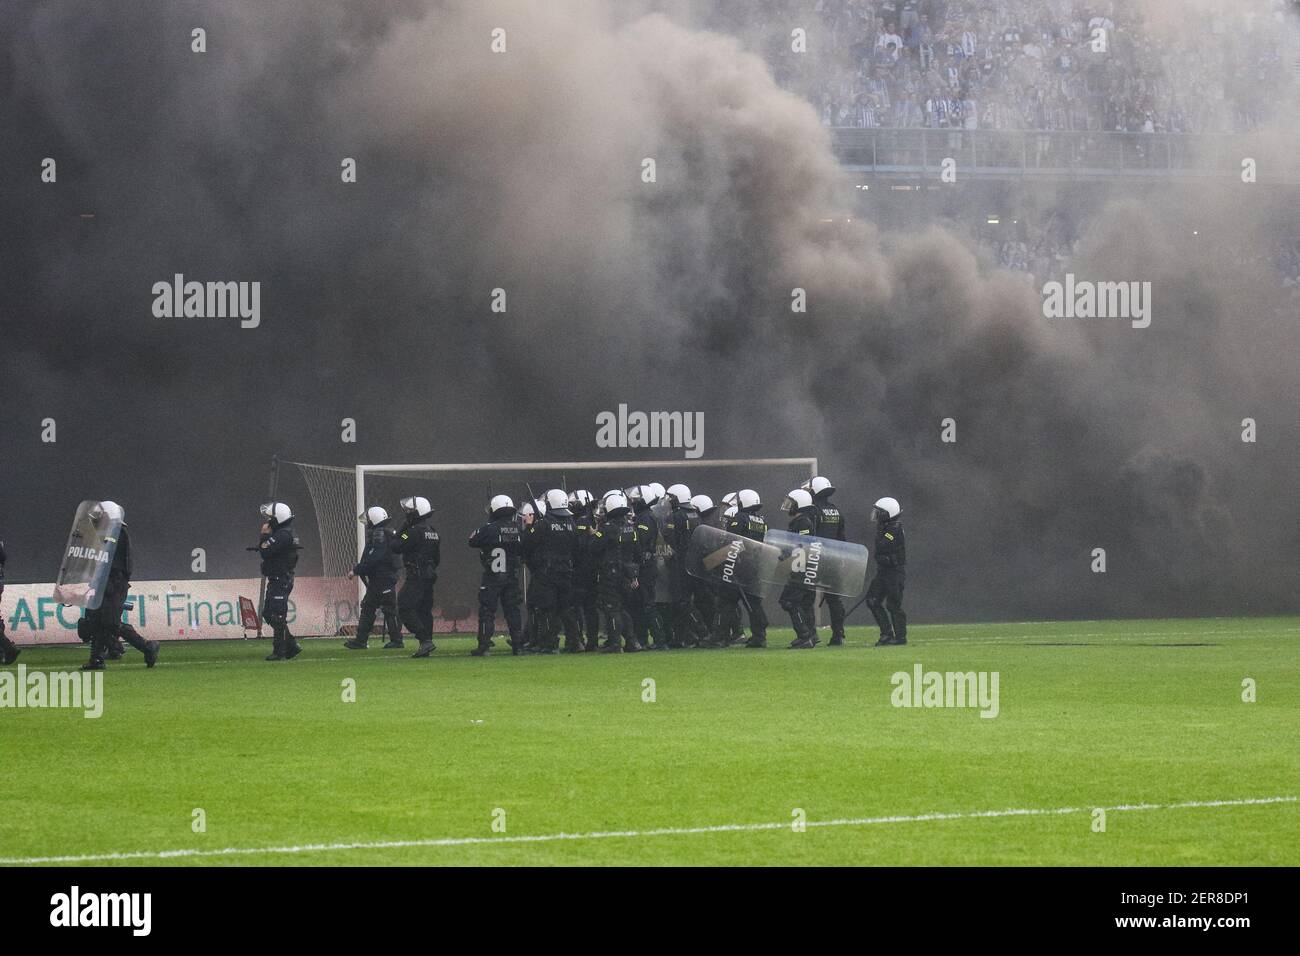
(183, 854)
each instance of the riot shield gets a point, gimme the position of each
(89, 555)
(663, 555)
(727, 559)
(807, 561)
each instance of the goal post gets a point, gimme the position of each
(459, 492)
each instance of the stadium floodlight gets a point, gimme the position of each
(339, 494)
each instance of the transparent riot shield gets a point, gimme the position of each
(727, 559)
(89, 555)
(807, 561)
(663, 554)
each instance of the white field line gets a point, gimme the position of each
(623, 834)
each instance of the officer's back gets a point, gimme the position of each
(499, 543)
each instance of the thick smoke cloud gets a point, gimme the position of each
(522, 171)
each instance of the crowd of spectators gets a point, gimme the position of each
(1028, 64)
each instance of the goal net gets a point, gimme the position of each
(459, 494)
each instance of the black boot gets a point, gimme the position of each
(426, 648)
(291, 646)
(277, 650)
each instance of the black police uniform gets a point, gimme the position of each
(550, 543)
(799, 602)
(500, 545)
(279, 547)
(378, 568)
(754, 527)
(830, 524)
(421, 550)
(885, 593)
(102, 626)
(8, 649)
(582, 596)
(688, 627)
(619, 555)
(641, 601)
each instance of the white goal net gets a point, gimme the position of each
(459, 494)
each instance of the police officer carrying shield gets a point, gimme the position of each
(885, 593)
(102, 625)
(799, 602)
(378, 569)
(748, 523)
(830, 524)
(421, 550)
(500, 545)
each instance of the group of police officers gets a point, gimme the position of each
(593, 565)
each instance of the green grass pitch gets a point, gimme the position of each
(1092, 714)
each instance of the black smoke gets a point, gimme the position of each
(522, 171)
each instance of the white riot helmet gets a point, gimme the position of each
(729, 498)
(374, 515)
(747, 499)
(797, 500)
(659, 493)
(275, 511)
(417, 506)
(614, 501)
(730, 512)
(106, 512)
(579, 500)
(821, 486)
(502, 504)
(889, 507)
(703, 504)
(679, 493)
(557, 500)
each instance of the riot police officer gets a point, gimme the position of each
(421, 550)
(550, 542)
(499, 543)
(688, 627)
(620, 559)
(585, 568)
(830, 524)
(748, 523)
(278, 548)
(885, 592)
(8, 649)
(378, 569)
(796, 601)
(704, 594)
(103, 625)
(641, 601)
